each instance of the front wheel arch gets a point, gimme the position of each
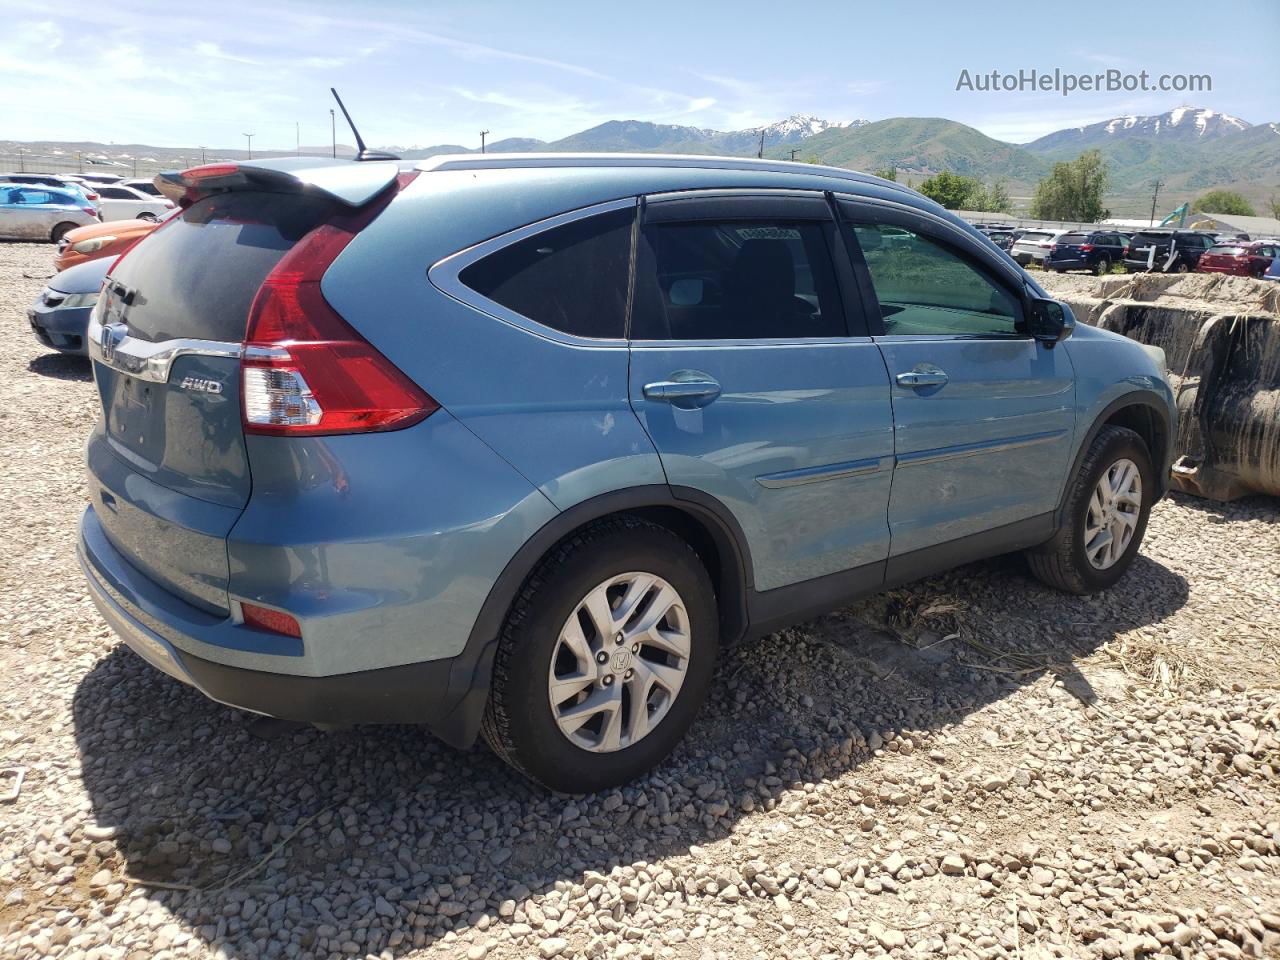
(1143, 412)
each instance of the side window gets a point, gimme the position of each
(572, 278)
(115, 193)
(926, 289)
(736, 280)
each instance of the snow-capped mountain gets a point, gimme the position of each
(1182, 125)
(797, 127)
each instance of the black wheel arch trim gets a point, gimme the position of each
(1160, 459)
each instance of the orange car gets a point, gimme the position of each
(99, 240)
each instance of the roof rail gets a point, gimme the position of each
(473, 161)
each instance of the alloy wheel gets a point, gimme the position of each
(619, 662)
(1112, 516)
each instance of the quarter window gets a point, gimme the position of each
(735, 280)
(926, 289)
(572, 278)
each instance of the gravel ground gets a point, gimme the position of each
(974, 766)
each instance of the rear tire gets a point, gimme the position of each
(149, 217)
(545, 678)
(1080, 558)
(61, 230)
(1103, 266)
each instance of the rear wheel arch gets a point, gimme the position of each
(698, 519)
(61, 230)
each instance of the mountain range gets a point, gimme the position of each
(1188, 149)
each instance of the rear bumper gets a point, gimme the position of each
(164, 635)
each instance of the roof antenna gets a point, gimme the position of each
(364, 152)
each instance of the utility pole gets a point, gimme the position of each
(760, 152)
(135, 166)
(333, 132)
(202, 156)
(297, 138)
(249, 138)
(22, 163)
(79, 162)
(1154, 195)
(483, 134)
(794, 151)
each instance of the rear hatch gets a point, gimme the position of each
(1142, 244)
(1069, 247)
(1225, 257)
(168, 469)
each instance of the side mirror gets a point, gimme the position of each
(1050, 321)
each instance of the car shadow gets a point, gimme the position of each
(62, 366)
(1225, 511)
(383, 840)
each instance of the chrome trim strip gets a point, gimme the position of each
(974, 449)
(145, 360)
(833, 471)
(443, 274)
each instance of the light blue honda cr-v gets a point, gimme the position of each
(511, 444)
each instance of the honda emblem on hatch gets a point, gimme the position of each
(111, 335)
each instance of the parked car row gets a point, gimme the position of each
(39, 206)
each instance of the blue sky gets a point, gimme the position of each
(438, 72)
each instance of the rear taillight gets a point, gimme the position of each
(305, 370)
(1086, 247)
(90, 211)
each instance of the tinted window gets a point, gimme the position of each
(115, 193)
(926, 288)
(1227, 251)
(735, 280)
(571, 278)
(1032, 236)
(197, 275)
(1074, 238)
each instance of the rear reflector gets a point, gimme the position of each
(272, 621)
(306, 371)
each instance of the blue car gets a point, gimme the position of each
(1273, 271)
(60, 316)
(1095, 252)
(509, 446)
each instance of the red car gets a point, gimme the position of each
(1243, 259)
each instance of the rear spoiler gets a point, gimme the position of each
(346, 181)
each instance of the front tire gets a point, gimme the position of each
(604, 659)
(61, 230)
(1105, 517)
(149, 217)
(1103, 266)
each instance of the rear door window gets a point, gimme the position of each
(736, 280)
(572, 278)
(197, 275)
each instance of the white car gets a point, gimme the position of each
(143, 186)
(101, 179)
(119, 202)
(1033, 246)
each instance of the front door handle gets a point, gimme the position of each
(686, 389)
(923, 377)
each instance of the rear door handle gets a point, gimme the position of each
(686, 393)
(932, 377)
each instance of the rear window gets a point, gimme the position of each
(198, 274)
(1151, 238)
(1074, 238)
(1033, 236)
(572, 278)
(1228, 251)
